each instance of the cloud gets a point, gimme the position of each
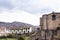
(32, 6)
(37, 6)
(26, 10)
(18, 15)
(6, 4)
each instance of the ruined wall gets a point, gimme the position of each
(47, 22)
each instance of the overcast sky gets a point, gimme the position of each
(28, 11)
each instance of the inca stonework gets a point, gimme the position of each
(49, 27)
(50, 24)
(50, 21)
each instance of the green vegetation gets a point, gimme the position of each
(2, 37)
(20, 38)
(8, 39)
(26, 38)
(15, 37)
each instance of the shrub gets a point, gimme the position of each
(2, 37)
(20, 38)
(9, 36)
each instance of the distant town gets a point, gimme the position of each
(15, 28)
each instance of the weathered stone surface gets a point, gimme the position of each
(48, 24)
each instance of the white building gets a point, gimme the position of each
(14, 30)
(4, 31)
(20, 30)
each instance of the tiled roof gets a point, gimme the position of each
(17, 28)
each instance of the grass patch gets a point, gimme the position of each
(8, 39)
(26, 38)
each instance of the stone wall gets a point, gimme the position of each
(48, 25)
(46, 21)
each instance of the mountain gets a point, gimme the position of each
(15, 24)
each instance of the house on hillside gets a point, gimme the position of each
(15, 30)
(4, 31)
(20, 30)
